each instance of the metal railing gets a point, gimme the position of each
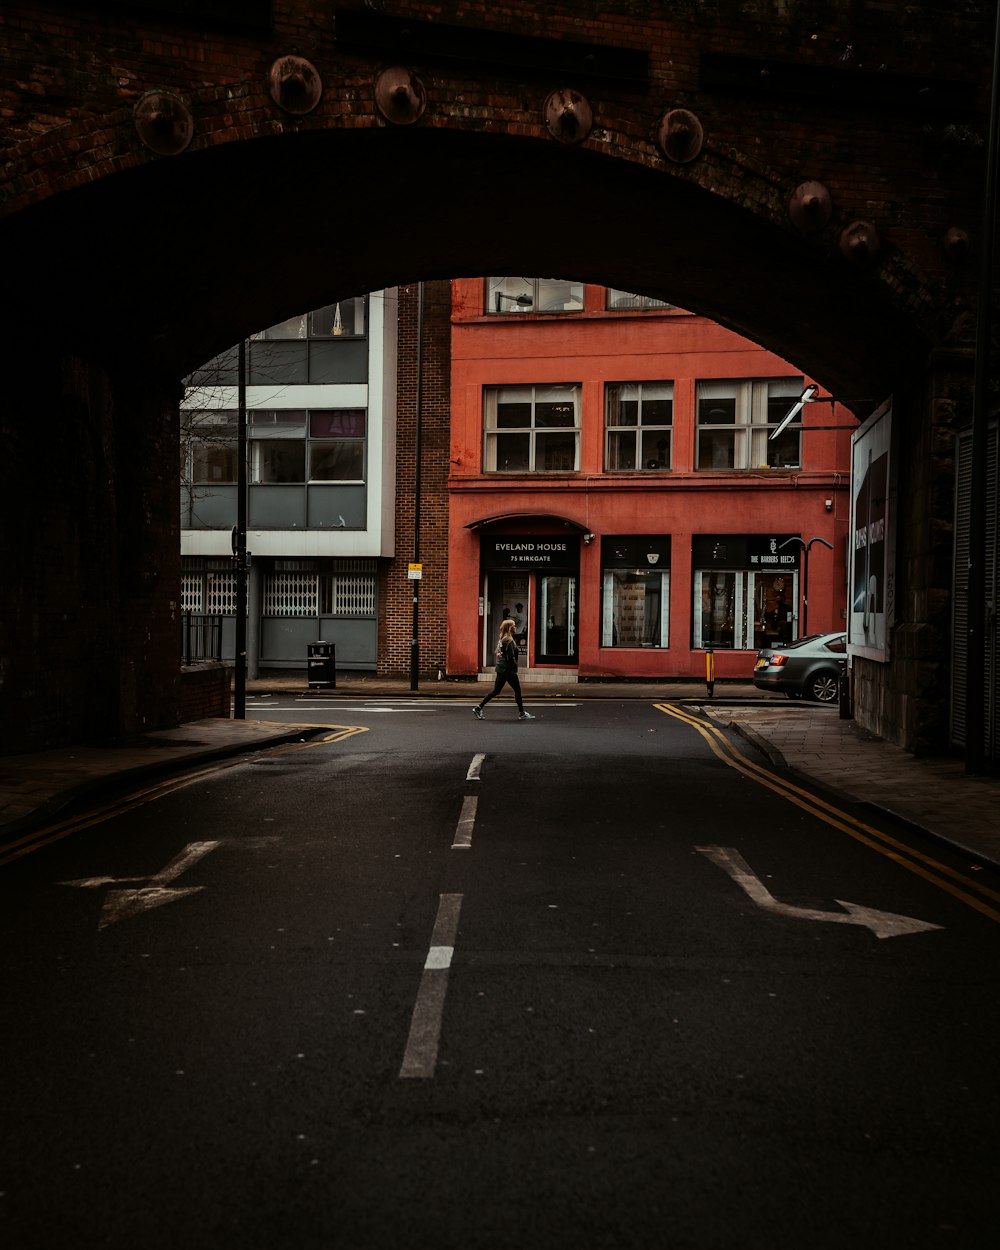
(201, 637)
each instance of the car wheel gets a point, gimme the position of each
(824, 686)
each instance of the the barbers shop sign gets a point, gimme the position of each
(524, 551)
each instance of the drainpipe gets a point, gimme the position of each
(418, 407)
(240, 543)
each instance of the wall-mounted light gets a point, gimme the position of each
(828, 504)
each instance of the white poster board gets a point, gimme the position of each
(872, 538)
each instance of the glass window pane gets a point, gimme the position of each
(656, 449)
(213, 462)
(279, 462)
(716, 449)
(215, 424)
(555, 406)
(510, 295)
(556, 295)
(622, 401)
(339, 422)
(784, 452)
(512, 452)
(718, 609)
(513, 416)
(277, 424)
(335, 320)
(293, 328)
(621, 451)
(555, 452)
(342, 460)
(773, 609)
(719, 411)
(626, 299)
(657, 405)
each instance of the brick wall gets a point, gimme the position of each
(395, 589)
(204, 692)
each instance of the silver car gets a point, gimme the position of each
(808, 668)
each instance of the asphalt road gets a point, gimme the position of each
(423, 982)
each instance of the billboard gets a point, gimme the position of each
(872, 542)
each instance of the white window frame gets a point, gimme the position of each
(493, 397)
(751, 424)
(640, 428)
(546, 296)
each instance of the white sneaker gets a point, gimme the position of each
(477, 712)
(525, 716)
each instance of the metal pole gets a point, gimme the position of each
(803, 630)
(240, 542)
(418, 415)
(975, 660)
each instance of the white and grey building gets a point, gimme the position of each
(321, 426)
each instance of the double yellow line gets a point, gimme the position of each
(37, 838)
(925, 866)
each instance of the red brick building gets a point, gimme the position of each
(615, 487)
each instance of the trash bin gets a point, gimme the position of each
(321, 664)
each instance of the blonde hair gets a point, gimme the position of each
(507, 629)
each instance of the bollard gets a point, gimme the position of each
(710, 672)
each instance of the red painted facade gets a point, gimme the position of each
(633, 573)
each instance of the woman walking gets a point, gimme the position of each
(506, 655)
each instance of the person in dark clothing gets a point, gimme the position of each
(506, 666)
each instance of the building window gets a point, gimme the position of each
(735, 418)
(635, 579)
(532, 429)
(745, 591)
(639, 419)
(533, 295)
(625, 301)
(344, 319)
(212, 448)
(295, 446)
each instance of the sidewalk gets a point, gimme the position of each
(813, 742)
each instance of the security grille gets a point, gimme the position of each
(220, 594)
(353, 594)
(192, 592)
(291, 594)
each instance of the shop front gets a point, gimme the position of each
(533, 579)
(746, 590)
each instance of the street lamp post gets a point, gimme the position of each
(805, 575)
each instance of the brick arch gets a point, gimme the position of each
(207, 246)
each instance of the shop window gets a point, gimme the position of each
(638, 420)
(736, 609)
(625, 301)
(636, 609)
(533, 295)
(532, 429)
(735, 419)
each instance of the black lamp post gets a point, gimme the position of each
(805, 574)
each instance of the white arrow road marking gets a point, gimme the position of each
(884, 924)
(122, 904)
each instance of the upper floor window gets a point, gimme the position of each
(295, 446)
(638, 425)
(533, 295)
(735, 419)
(620, 301)
(212, 447)
(532, 429)
(343, 319)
